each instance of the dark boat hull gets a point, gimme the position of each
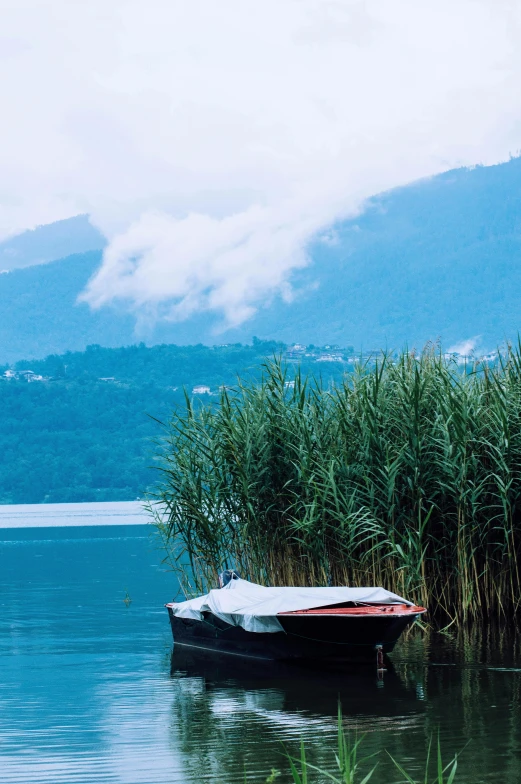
(315, 638)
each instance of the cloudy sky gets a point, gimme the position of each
(211, 139)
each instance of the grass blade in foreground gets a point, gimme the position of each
(346, 760)
(349, 766)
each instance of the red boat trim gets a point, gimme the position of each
(361, 612)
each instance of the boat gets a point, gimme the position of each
(283, 624)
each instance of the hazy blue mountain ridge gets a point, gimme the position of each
(439, 258)
(50, 242)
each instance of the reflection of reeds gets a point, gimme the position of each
(407, 475)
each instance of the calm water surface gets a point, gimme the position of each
(90, 690)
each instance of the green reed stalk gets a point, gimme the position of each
(347, 761)
(407, 475)
(349, 765)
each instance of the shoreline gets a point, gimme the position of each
(73, 515)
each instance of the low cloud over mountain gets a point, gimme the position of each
(210, 141)
(437, 259)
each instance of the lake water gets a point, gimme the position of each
(90, 691)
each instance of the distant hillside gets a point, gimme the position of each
(439, 258)
(82, 430)
(47, 243)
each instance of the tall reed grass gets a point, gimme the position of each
(406, 475)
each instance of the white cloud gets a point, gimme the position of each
(173, 268)
(465, 347)
(210, 140)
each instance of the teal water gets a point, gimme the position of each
(90, 692)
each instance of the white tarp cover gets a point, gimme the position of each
(255, 607)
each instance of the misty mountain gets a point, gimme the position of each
(50, 242)
(440, 258)
(437, 259)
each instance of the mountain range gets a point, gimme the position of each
(438, 259)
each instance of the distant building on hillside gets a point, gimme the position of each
(296, 351)
(23, 375)
(29, 375)
(330, 358)
(201, 389)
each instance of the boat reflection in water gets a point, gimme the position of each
(302, 689)
(224, 705)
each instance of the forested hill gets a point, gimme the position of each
(79, 426)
